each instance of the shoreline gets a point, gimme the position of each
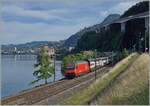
(30, 89)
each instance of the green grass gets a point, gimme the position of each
(130, 88)
(88, 94)
(140, 98)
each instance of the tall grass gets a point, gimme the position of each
(130, 88)
(86, 95)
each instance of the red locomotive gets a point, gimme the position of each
(81, 67)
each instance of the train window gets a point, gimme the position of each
(92, 63)
(70, 67)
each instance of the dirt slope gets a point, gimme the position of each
(131, 87)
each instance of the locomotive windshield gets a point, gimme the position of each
(70, 67)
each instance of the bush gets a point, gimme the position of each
(125, 53)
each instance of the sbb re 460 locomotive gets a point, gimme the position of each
(82, 67)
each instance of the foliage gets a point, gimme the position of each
(61, 52)
(138, 8)
(44, 67)
(88, 41)
(111, 38)
(125, 53)
(103, 41)
(130, 88)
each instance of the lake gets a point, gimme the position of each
(17, 73)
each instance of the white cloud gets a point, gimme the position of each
(16, 32)
(45, 15)
(58, 1)
(103, 13)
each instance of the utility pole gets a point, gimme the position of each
(141, 48)
(145, 40)
(95, 68)
(141, 39)
(134, 47)
(146, 32)
(95, 64)
(112, 58)
(54, 68)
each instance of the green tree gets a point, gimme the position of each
(125, 53)
(44, 68)
(137, 8)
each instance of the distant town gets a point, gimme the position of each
(31, 48)
(15, 50)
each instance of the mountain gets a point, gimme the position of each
(137, 8)
(109, 19)
(72, 40)
(32, 45)
(111, 38)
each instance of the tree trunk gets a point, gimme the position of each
(45, 81)
(54, 69)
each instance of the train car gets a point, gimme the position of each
(98, 62)
(76, 69)
(81, 67)
(91, 63)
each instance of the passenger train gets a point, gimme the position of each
(81, 67)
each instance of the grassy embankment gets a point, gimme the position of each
(85, 96)
(130, 88)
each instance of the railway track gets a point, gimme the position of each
(56, 99)
(41, 93)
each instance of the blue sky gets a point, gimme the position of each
(52, 20)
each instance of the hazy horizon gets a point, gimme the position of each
(30, 42)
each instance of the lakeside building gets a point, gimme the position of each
(50, 51)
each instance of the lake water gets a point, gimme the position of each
(17, 73)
